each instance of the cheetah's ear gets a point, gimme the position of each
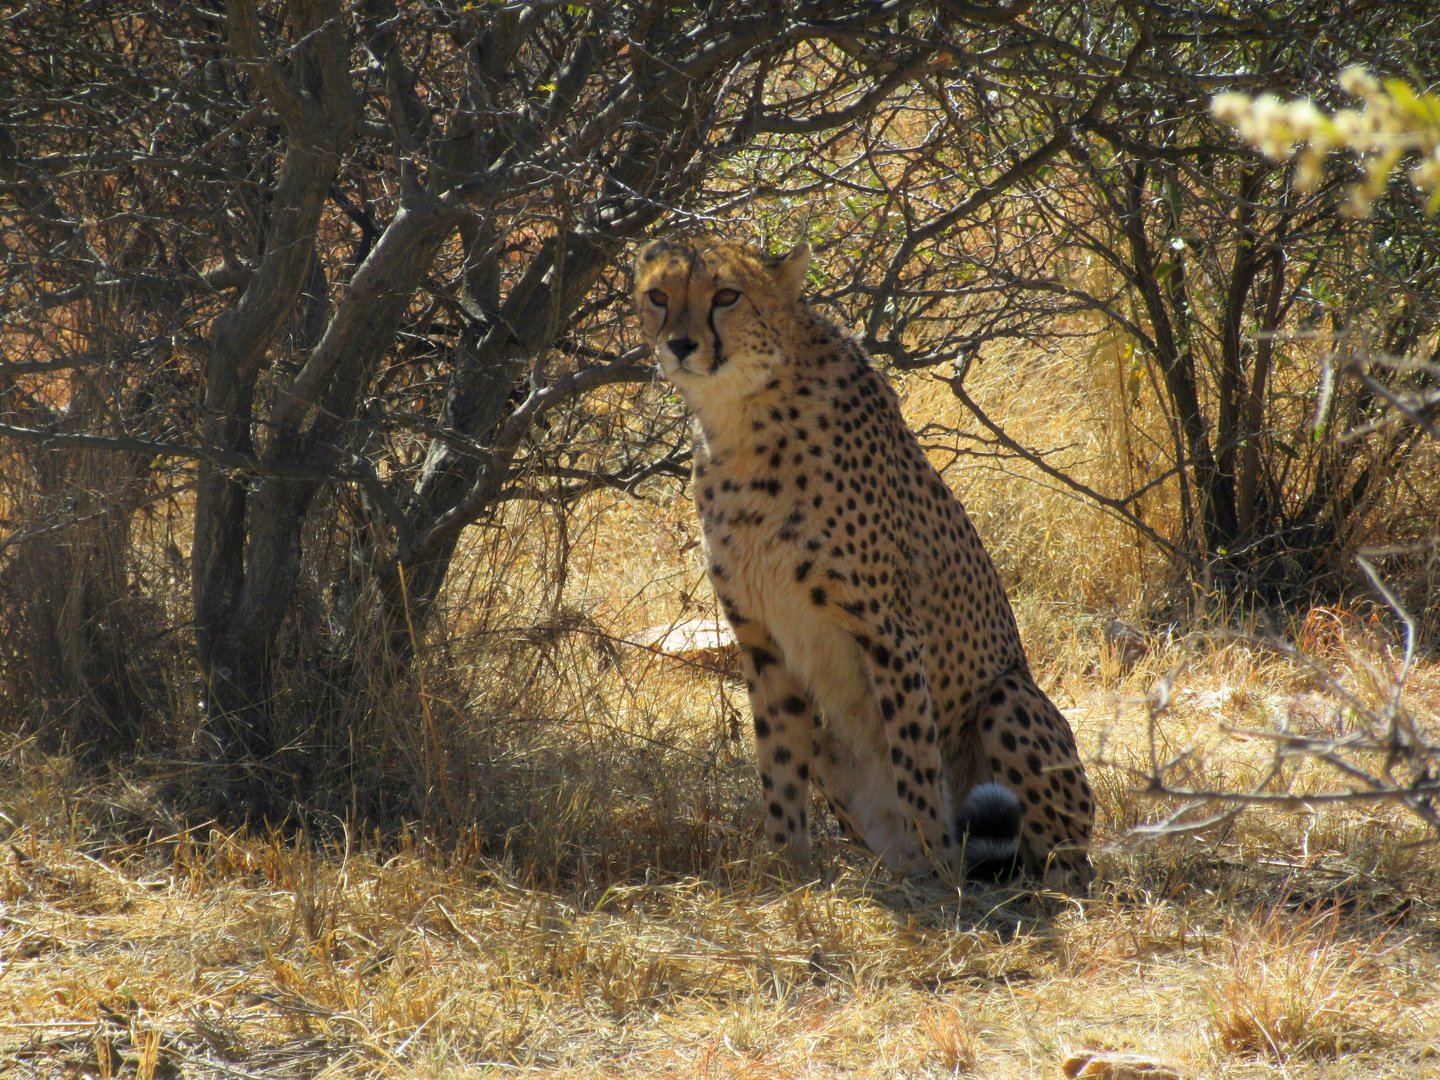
(653, 250)
(792, 269)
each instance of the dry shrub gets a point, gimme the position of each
(575, 755)
(1292, 986)
(91, 643)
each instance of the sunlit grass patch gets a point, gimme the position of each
(1297, 987)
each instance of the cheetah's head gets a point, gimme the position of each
(713, 310)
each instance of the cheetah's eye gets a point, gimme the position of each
(658, 297)
(726, 297)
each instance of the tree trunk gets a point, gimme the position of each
(319, 110)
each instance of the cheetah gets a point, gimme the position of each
(879, 649)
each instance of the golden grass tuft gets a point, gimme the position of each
(1300, 987)
(952, 1032)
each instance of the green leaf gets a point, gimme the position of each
(1401, 93)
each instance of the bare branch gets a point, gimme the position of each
(539, 402)
(1119, 507)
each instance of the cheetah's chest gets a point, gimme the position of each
(767, 558)
(760, 544)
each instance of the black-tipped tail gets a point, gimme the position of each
(989, 829)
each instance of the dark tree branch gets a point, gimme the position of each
(1119, 507)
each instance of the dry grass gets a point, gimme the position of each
(598, 902)
(1297, 987)
(612, 911)
(207, 953)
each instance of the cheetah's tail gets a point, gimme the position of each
(989, 828)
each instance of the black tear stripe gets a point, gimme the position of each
(720, 356)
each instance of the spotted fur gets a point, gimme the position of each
(880, 651)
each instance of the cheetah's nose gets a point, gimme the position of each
(681, 347)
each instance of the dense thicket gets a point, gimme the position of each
(323, 285)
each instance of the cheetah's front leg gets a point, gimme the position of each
(785, 740)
